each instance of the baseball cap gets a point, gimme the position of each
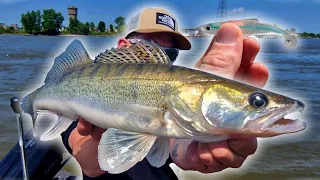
(151, 20)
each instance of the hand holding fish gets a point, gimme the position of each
(232, 56)
(229, 55)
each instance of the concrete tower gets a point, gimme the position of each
(72, 11)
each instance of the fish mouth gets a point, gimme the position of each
(279, 121)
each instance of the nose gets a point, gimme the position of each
(299, 105)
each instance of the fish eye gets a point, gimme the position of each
(208, 28)
(258, 100)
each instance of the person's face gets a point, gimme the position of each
(161, 38)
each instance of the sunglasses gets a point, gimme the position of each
(172, 53)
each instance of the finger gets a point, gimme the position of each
(84, 127)
(193, 157)
(198, 63)
(97, 133)
(224, 54)
(207, 159)
(251, 48)
(256, 74)
(222, 152)
(243, 147)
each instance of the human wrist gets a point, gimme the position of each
(66, 136)
(178, 151)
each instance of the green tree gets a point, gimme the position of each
(11, 29)
(92, 27)
(2, 30)
(318, 35)
(73, 26)
(111, 28)
(121, 23)
(312, 35)
(28, 21)
(37, 25)
(88, 27)
(102, 26)
(83, 28)
(77, 27)
(304, 34)
(52, 21)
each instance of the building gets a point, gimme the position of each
(3, 25)
(72, 12)
(15, 26)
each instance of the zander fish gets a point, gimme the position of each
(143, 100)
(253, 27)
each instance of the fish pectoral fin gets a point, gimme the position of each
(159, 152)
(60, 126)
(120, 150)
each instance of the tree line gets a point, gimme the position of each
(78, 27)
(50, 23)
(312, 35)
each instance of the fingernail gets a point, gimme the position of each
(227, 34)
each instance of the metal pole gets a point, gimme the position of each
(15, 105)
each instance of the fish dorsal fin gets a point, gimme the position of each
(141, 52)
(74, 55)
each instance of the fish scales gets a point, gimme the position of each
(151, 83)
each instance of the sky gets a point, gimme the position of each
(303, 15)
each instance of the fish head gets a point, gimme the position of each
(239, 108)
(211, 28)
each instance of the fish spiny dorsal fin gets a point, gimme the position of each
(74, 55)
(141, 52)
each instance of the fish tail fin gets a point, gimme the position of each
(74, 55)
(290, 38)
(27, 107)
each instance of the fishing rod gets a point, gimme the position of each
(15, 105)
(39, 160)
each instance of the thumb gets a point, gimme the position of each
(223, 57)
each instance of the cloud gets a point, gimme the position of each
(238, 11)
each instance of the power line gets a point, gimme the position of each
(222, 10)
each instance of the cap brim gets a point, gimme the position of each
(182, 42)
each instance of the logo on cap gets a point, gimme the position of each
(166, 20)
